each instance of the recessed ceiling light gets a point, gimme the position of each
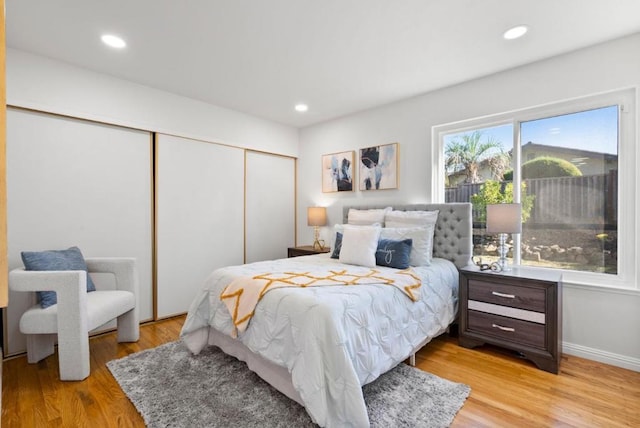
(113, 41)
(301, 107)
(515, 32)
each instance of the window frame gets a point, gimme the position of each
(628, 184)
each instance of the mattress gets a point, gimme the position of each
(331, 339)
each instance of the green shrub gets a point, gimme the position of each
(546, 166)
(493, 192)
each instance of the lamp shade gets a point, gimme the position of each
(316, 216)
(504, 218)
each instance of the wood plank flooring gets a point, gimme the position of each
(505, 390)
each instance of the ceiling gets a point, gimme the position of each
(337, 56)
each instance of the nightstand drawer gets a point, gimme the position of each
(532, 299)
(513, 330)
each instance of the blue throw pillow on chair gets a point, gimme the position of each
(395, 254)
(70, 259)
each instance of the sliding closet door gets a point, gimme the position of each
(73, 182)
(270, 206)
(199, 190)
(4, 285)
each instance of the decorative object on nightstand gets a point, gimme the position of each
(520, 310)
(504, 219)
(305, 250)
(316, 217)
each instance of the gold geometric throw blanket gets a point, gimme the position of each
(243, 294)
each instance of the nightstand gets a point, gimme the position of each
(520, 310)
(305, 250)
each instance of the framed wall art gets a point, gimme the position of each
(337, 172)
(379, 167)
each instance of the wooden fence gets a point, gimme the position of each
(585, 200)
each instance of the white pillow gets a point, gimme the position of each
(410, 218)
(339, 227)
(422, 246)
(367, 217)
(359, 245)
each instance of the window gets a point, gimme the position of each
(570, 165)
(573, 179)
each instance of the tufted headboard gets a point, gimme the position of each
(453, 236)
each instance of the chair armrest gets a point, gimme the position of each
(123, 268)
(70, 287)
(24, 280)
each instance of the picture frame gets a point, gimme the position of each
(337, 172)
(379, 167)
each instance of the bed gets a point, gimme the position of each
(320, 345)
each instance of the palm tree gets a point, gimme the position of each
(468, 152)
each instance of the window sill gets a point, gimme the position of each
(631, 290)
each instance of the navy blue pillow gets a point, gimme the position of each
(394, 254)
(70, 259)
(337, 246)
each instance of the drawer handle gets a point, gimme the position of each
(503, 328)
(508, 296)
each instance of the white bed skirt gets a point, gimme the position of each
(275, 375)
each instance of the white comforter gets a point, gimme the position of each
(331, 339)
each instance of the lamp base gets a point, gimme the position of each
(502, 252)
(318, 244)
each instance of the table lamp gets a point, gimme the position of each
(316, 217)
(504, 219)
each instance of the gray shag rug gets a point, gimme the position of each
(170, 387)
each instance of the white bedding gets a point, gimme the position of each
(331, 339)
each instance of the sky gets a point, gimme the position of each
(593, 130)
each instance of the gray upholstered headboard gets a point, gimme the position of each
(453, 236)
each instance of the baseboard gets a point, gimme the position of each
(601, 356)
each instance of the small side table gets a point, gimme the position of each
(304, 250)
(520, 310)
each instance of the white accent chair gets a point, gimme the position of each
(77, 311)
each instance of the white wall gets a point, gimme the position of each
(44, 84)
(598, 323)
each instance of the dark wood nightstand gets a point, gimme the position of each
(520, 310)
(305, 250)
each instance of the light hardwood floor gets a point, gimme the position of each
(505, 390)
